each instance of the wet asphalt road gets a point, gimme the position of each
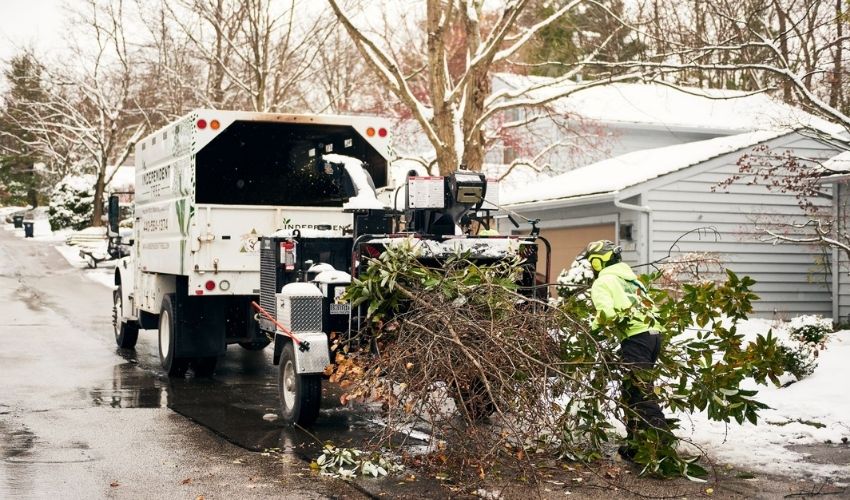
(80, 418)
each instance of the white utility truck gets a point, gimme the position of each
(249, 227)
(208, 187)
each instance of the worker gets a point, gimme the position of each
(617, 294)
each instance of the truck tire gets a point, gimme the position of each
(205, 366)
(170, 327)
(300, 395)
(255, 345)
(126, 332)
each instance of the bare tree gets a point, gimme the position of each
(258, 52)
(458, 102)
(796, 46)
(90, 117)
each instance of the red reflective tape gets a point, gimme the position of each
(280, 327)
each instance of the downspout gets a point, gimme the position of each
(836, 255)
(648, 211)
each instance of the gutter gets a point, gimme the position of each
(644, 209)
(562, 202)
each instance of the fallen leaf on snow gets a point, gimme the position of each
(186, 481)
(115, 484)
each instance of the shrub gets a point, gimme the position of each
(798, 358)
(451, 344)
(810, 329)
(72, 203)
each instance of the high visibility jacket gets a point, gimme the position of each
(618, 293)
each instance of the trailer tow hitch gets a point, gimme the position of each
(303, 345)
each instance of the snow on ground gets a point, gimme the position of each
(814, 410)
(103, 274)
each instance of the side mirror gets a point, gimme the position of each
(113, 215)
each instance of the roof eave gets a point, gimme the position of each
(572, 201)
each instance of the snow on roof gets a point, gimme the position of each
(620, 172)
(839, 163)
(675, 107)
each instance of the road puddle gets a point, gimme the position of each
(232, 405)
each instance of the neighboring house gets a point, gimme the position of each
(645, 200)
(610, 120)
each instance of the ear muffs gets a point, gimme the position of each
(596, 263)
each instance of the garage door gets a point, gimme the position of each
(567, 242)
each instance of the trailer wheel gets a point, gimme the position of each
(256, 345)
(126, 332)
(170, 327)
(300, 395)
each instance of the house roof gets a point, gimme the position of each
(624, 171)
(684, 108)
(839, 163)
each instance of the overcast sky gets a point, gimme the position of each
(36, 23)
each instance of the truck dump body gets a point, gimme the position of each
(265, 163)
(211, 184)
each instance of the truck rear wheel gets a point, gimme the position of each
(300, 395)
(170, 327)
(126, 332)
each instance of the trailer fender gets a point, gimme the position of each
(311, 357)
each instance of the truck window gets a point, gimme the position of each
(270, 163)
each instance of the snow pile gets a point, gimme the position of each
(365, 197)
(812, 411)
(72, 202)
(477, 247)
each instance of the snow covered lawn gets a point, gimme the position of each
(814, 410)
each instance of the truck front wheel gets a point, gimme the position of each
(126, 332)
(170, 327)
(300, 395)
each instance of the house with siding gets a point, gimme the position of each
(610, 120)
(650, 200)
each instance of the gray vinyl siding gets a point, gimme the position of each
(791, 278)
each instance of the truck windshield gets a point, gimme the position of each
(272, 163)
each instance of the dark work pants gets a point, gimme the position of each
(639, 354)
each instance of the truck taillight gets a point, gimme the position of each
(202, 124)
(370, 132)
(210, 285)
(382, 132)
(215, 124)
(287, 255)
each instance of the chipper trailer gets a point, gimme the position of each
(249, 226)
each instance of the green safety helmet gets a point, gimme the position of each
(602, 253)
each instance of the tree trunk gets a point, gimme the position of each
(32, 192)
(99, 188)
(783, 49)
(835, 84)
